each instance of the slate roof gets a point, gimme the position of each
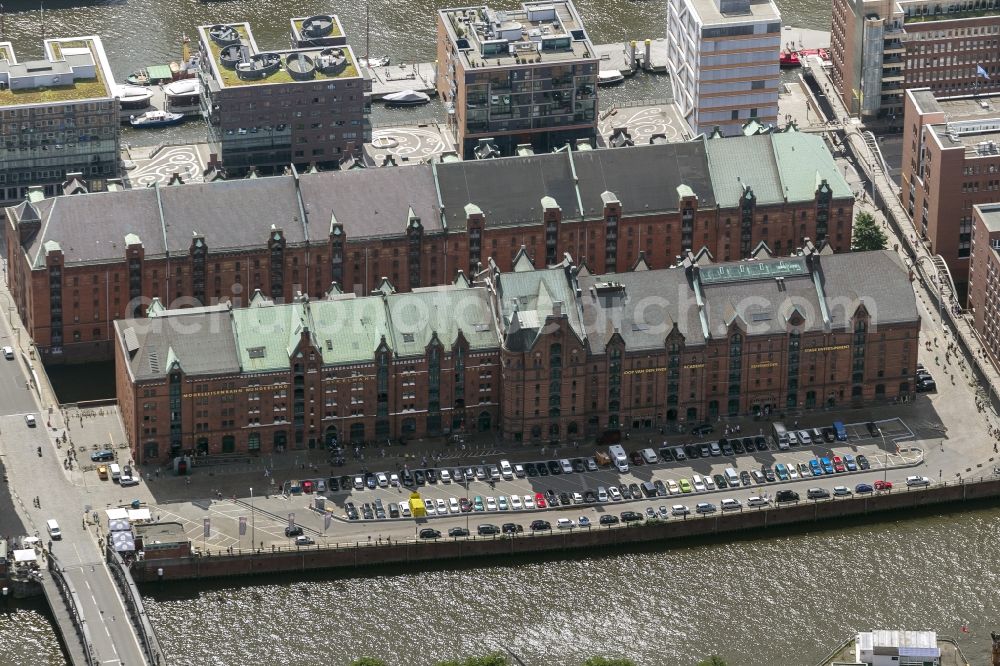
(418, 315)
(528, 297)
(878, 279)
(201, 341)
(370, 202)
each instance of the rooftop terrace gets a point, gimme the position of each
(74, 69)
(735, 11)
(237, 61)
(539, 32)
(972, 121)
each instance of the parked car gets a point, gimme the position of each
(630, 516)
(609, 519)
(458, 532)
(863, 488)
(540, 525)
(850, 463)
(863, 462)
(650, 513)
(842, 491)
(293, 531)
(685, 486)
(487, 529)
(781, 472)
(745, 478)
(817, 493)
(303, 540)
(583, 521)
(756, 500)
(705, 507)
(827, 465)
(512, 528)
(730, 504)
(565, 524)
(881, 485)
(680, 510)
(429, 533)
(702, 429)
(838, 465)
(804, 437)
(873, 429)
(917, 481)
(786, 496)
(720, 481)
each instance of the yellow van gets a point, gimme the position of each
(102, 471)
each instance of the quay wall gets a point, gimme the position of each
(806, 514)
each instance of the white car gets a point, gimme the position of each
(615, 494)
(383, 480)
(515, 503)
(404, 509)
(359, 482)
(567, 467)
(792, 472)
(699, 486)
(8, 353)
(453, 505)
(565, 523)
(709, 482)
(680, 510)
(442, 507)
(577, 498)
(429, 508)
(529, 502)
(519, 471)
(502, 503)
(127, 480)
(602, 494)
(917, 481)
(756, 500)
(591, 465)
(30, 420)
(842, 491)
(445, 476)
(491, 504)
(729, 504)
(672, 487)
(393, 480)
(804, 437)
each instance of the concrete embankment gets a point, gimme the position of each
(804, 515)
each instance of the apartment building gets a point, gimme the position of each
(93, 258)
(517, 77)
(951, 162)
(58, 115)
(269, 109)
(537, 354)
(880, 48)
(984, 277)
(723, 61)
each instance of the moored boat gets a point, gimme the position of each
(133, 97)
(609, 77)
(406, 98)
(155, 119)
(789, 59)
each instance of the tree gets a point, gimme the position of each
(495, 659)
(368, 661)
(604, 661)
(714, 660)
(866, 234)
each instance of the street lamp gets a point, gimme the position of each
(885, 466)
(253, 532)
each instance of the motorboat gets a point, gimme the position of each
(183, 88)
(133, 97)
(609, 77)
(155, 119)
(406, 98)
(374, 61)
(789, 59)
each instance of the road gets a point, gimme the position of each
(30, 475)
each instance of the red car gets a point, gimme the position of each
(540, 501)
(838, 464)
(307, 486)
(883, 485)
(465, 505)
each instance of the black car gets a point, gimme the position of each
(630, 516)
(829, 434)
(551, 498)
(512, 528)
(590, 497)
(609, 519)
(748, 444)
(530, 470)
(370, 481)
(564, 499)
(786, 496)
(332, 485)
(745, 478)
(419, 477)
(368, 512)
(769, 474)
(429, 533)
(691, 450)
(346, 483)
(539, 525)
(760, 443)
(703, 429)
(578, 466)
(661, 488)
(293, 531)
(393, 510)
(727, 448)
(873, 429)
(352, 511)
(486, 529)
(926, 385)
(626, 493)
(737, 447)
(554, 467)
(543, 470)
(720, 481)
(408, 478)
(458, 532)
(863, 462)
(636, 491)
(431, 476)
(666, 455)
(704, 450)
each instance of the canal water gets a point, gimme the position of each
(782, 601)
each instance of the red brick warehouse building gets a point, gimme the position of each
(78, 262)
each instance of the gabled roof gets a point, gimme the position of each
(527, 298)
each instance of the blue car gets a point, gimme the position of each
(781, 471)
(815, 468)
(863, 488)
(827, 465)
(852, 466)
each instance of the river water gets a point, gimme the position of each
(784, 601)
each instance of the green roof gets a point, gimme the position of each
(80, 89)
(418, 316)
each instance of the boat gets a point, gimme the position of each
(183, 88)
(374, 62)
(609, 77)
(155, 119)
(150, 76)
(406, 98)
(133, 97)
(822, 53)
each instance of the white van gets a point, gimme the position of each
(732, 477)
(116, 472)
(649, 455)
(506, 470)
(617, 454)
(53, 528)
